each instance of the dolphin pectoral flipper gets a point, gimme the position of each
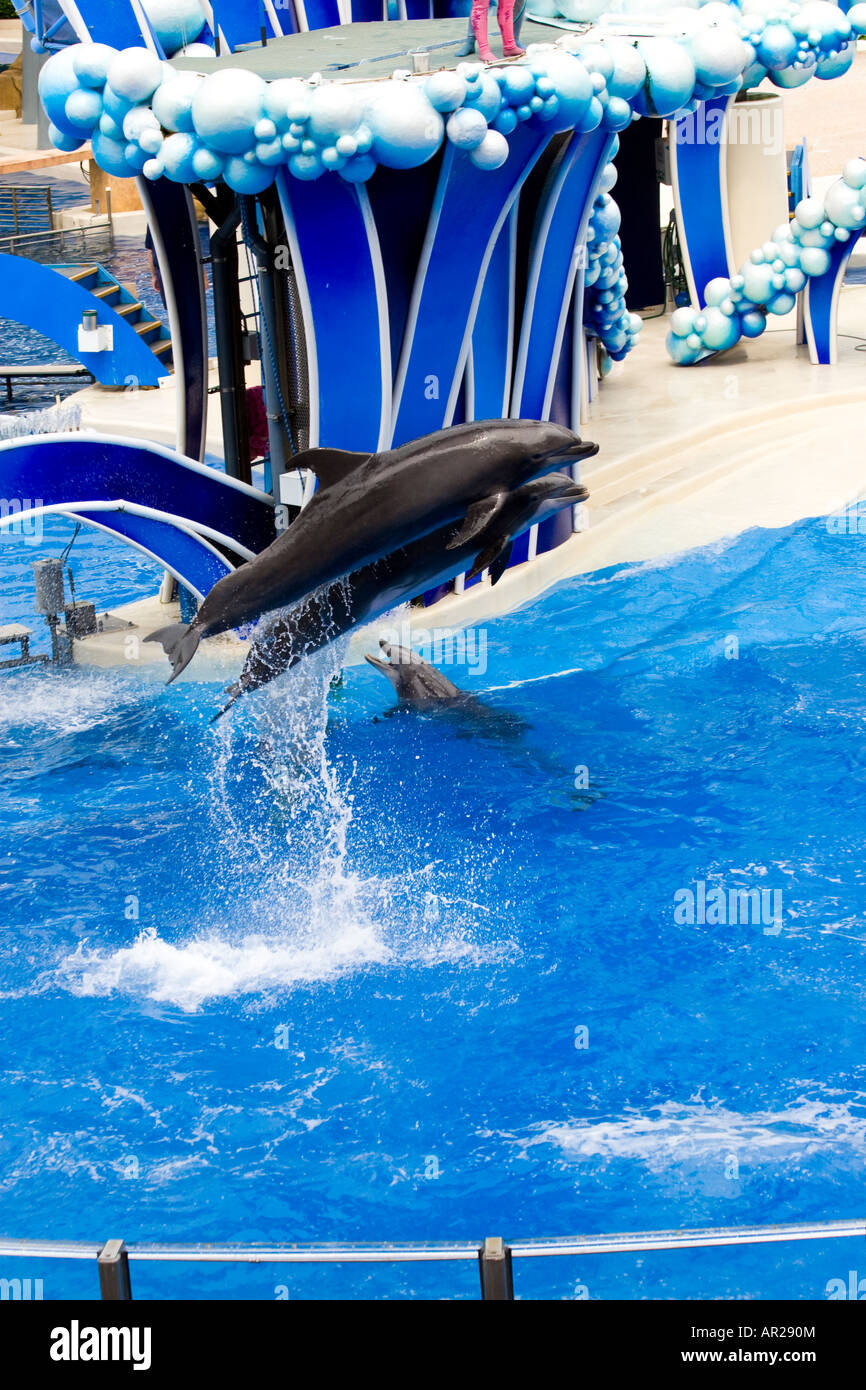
(478, 517)
(495, 558)
(329, 465)
(180, 644)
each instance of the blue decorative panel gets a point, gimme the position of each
(467, 215)
(72, 468)
(700, 190)
(820, 302)
(341, 281)
(490, 363)
(560, 229)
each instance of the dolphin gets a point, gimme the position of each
(370, 504)
(392, 580)
(415, 681)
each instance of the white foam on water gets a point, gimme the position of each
(66, 702)
(673, 1133)
(282, 867)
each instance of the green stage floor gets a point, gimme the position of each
(369, 50)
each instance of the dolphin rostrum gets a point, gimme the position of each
(368, 505)
(392, 580)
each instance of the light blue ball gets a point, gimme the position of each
(83, 109)
(358, 169)
(134, 74)
(61, 141)
(466, 128)
(830, 67)
(110, 155)
(335, 109)
(719, 55)
(135, 156)
(753, 323)
(177, 157)
(670, 80)
(505, 122)
(246, 177)
(172, 101)
(91, 62)
(284, 100)
(492, 152)
(207, 165)
(486, 96)
(617, 114)
(175, 22)
(57, 82)
(573, 87)
(406, 130)
(116, 106)
(445, 90)
(307, 166)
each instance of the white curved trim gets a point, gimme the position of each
(143, 550)
(96, 437)
(727, 231)
(276, 27)
(301, 17)
(383, 313)
(135, 509)
(306, 304)
(673, 146)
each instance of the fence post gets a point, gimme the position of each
(494, 1262)
(113, 1262)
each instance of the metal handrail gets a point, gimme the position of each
(494, 1255)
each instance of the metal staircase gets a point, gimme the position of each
(104, 287)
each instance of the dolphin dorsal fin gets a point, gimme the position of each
(329, 465)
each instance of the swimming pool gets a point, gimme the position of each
(424, 978)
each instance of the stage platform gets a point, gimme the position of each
(362, 51)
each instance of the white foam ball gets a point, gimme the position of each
(226, 108)
(134, 74)
(172, 101)
(90, 63)
(406, 130)
(492, 152)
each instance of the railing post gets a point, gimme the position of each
(494, 1262)
(113, 1262)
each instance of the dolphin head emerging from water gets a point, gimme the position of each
(415, 681)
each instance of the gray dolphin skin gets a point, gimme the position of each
(370, 504)
(415, 681)
(392, 580)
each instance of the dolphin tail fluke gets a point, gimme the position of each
(494, 558)
(180, 644)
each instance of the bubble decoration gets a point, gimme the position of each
(244, 128)
(775, 273)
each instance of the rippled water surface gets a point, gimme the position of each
(323, 974)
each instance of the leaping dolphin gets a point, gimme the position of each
(370, 505)
(392, 580)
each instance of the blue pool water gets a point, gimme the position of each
(279, 981)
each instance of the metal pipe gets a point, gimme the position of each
(425, 1253)
(273, 348)
(227, 316)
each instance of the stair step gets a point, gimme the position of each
(161, 348)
